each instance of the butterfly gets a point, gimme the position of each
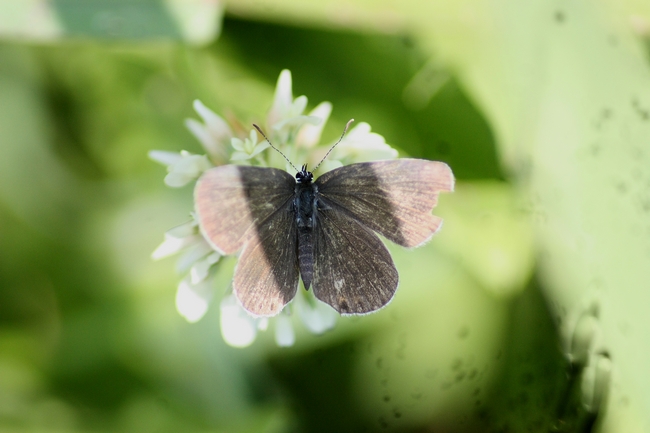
(322, 230)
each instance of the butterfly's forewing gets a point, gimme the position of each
(250, 207)
(394, 198)
(353, 270)
(231, 201)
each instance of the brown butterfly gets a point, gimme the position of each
(322, 230)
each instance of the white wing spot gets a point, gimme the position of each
(339, 284)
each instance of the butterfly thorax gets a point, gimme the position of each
(305, 208)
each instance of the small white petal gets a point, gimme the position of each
(297, 122)
(198, 250)
(187, 169)
(172, 245)
(202, 134)
(212, 120)
(239, 156)
(262, 323)
(201, 269)
(299, 105)
(238, 328)
(237, 144)
(183, 230)
(284, 333)
(259, 148)
(283, 98)
(317, 316)
(177, 180)
(192, 301)
(309, 135)
(193, 165)
(361, 145)
(164, 157)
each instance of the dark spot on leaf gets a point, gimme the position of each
(463, 332)
(460, 376)
(476, 392)
(472, 374)
(379, 363)
(456, 364)
(382, 422)
(559, 17)
(396, 413)
(416, 395)
(386, 398)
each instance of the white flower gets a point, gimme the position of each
(249, 148)
(309, 134)
(283, 99)
(284, 333)
(182, 167)
(195, 291)
(177, 239)
(285, 117)
(238, 328)
(214, 134)
(201, 268)
(317, 316)
(360, 145)
(192, 300)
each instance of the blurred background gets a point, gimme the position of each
(526, 313)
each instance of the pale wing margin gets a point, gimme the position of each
(230, 200)
(393, 197)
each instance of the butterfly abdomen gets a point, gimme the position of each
(305, 210)
(306, 256)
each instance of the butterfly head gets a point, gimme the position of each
(304, 176)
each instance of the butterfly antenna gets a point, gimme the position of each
(345, 130)
(278, 150)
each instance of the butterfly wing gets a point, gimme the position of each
(353, 270)
(394, 197)
(232, 201)
(250, 207)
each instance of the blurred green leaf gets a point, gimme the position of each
(195, 21)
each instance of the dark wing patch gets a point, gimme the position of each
(394, 198)
(353, 270)
(231, 201)
(266, 276)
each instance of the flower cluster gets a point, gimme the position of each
(297, 136)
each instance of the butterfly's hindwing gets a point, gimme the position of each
(266, 276)
(353, 270)
(394, 197)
